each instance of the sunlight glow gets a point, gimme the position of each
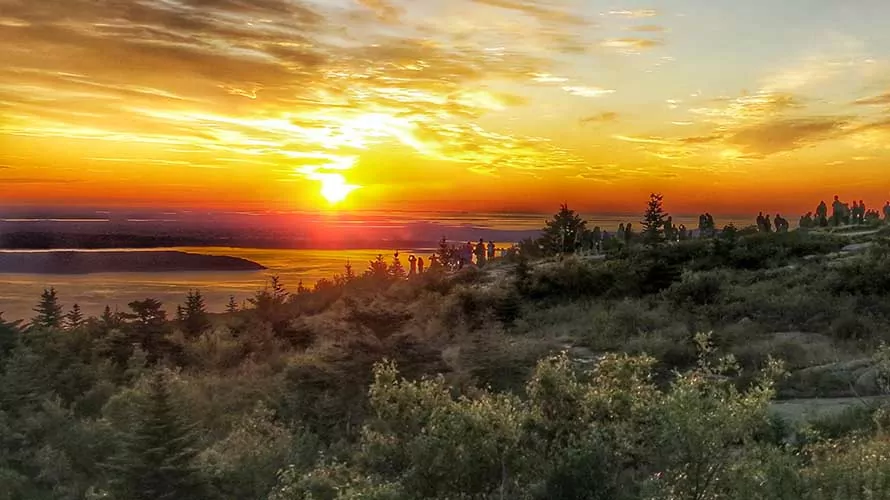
(334, 188)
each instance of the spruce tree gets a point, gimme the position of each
(563, 232)
(350, 274)
(158, 453)
(654, 221)
(49, 311)
(110, 320)
(74, 318)
(195, 320)
(9, 334)
(396, 270)
(232, 306)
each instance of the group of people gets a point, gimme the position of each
(454, 257)
(842, 214)
(765, 225)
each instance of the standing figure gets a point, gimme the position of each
(434, 262)
(761, 223)
(861, 212)
(887, 212)
(480, 253)
(420, 265)
(767, 224)
(622, 235)
(412, 269)
(490, 250)
(837, 211)
(822, 214)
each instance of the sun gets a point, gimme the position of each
(335, 189)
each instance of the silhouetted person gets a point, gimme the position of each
(420, 265)
(887, 212)
(412, 269)
(628, 232)
(822, 214)
(761, 223)
(767, 224)
(670, 231)
(855, 212)
(621, 235)
(434, 262)
(491, 250)
(683, 233)
(480, 253)
(837, 211)
(861, 212)
(468, 253)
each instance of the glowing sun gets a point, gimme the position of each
(335, 189)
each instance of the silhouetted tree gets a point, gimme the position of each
(9, 334)
(110, 320)
(74, 318)
(396, 270)
(654, 221)
(522, 274)
(232, 306)
(378, 268)
(49, 311)
(349, 275)
(147, 327)
(562, 232)
(195, 320)
(158, 456)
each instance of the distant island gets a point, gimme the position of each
(74, 262)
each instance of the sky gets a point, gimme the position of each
(458, 105)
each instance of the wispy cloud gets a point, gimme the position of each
(635, 14)
(604, 117)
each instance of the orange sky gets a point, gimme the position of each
(458, 105)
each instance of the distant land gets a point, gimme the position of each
(20, 230)
(150, 261)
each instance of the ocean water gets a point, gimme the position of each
(19, 293)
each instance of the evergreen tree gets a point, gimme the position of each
(232, 306)
(195, 320)
(654, 221)
(158, 456)
(279, 293)
(563, 231)
(74, 318)
(396, 270)
(147, 327)
(350, 274)
(110, 320)
(378, 268)
(49, 311)
(522, 274)
(9, 333)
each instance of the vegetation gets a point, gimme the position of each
(543, 376)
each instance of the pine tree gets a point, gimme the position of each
(563, 231)
(157, 459)
(378, 268)
(522, 274)
(49, 311)
(654, 221)
(110, 320)
(232, 306)
(350, 274)
(195, 320)
(279, 293)
(396, 270)
(74, 318)
(9, 334)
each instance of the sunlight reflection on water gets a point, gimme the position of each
(20, 292)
